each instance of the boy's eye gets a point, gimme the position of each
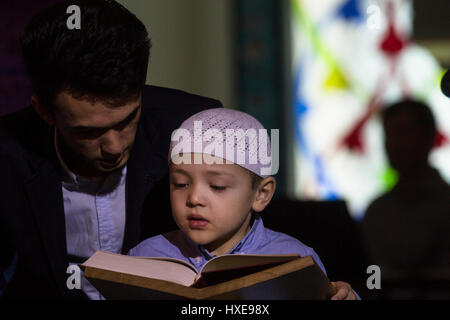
(219, 188)
(179, 185)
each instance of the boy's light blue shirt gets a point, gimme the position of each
(259, 240)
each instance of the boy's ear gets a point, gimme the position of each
(264, 194)
(43, 111)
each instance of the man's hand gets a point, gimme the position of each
(343, 291)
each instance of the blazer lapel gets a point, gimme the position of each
(45, 194)
(147, 164)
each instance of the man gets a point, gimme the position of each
(406, 231)
(84, 168)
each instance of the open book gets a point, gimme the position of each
(225, 277)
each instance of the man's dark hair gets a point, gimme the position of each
(420, 112)
(106, 60)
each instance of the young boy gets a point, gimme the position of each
(217, 190)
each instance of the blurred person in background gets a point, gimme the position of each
(406, 231)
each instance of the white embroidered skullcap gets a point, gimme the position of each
(229, 134)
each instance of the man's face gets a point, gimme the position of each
(406, 143)
(94, 138)
(212, 203)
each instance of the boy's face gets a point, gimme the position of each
(212, 203)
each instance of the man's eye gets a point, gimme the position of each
(219, 188)
(88, 133)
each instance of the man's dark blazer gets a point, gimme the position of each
(32, 223)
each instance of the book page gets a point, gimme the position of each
(173, 270)
(175, 260)
(234, 261)
(229, 267)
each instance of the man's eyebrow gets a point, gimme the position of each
(127, 119)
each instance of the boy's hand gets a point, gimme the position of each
(343, 291)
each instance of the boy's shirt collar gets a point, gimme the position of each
(247, 244)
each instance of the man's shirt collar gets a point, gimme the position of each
(70, 178)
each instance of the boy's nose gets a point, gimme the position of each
(195, 197)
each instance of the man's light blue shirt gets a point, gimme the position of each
(94, 211)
